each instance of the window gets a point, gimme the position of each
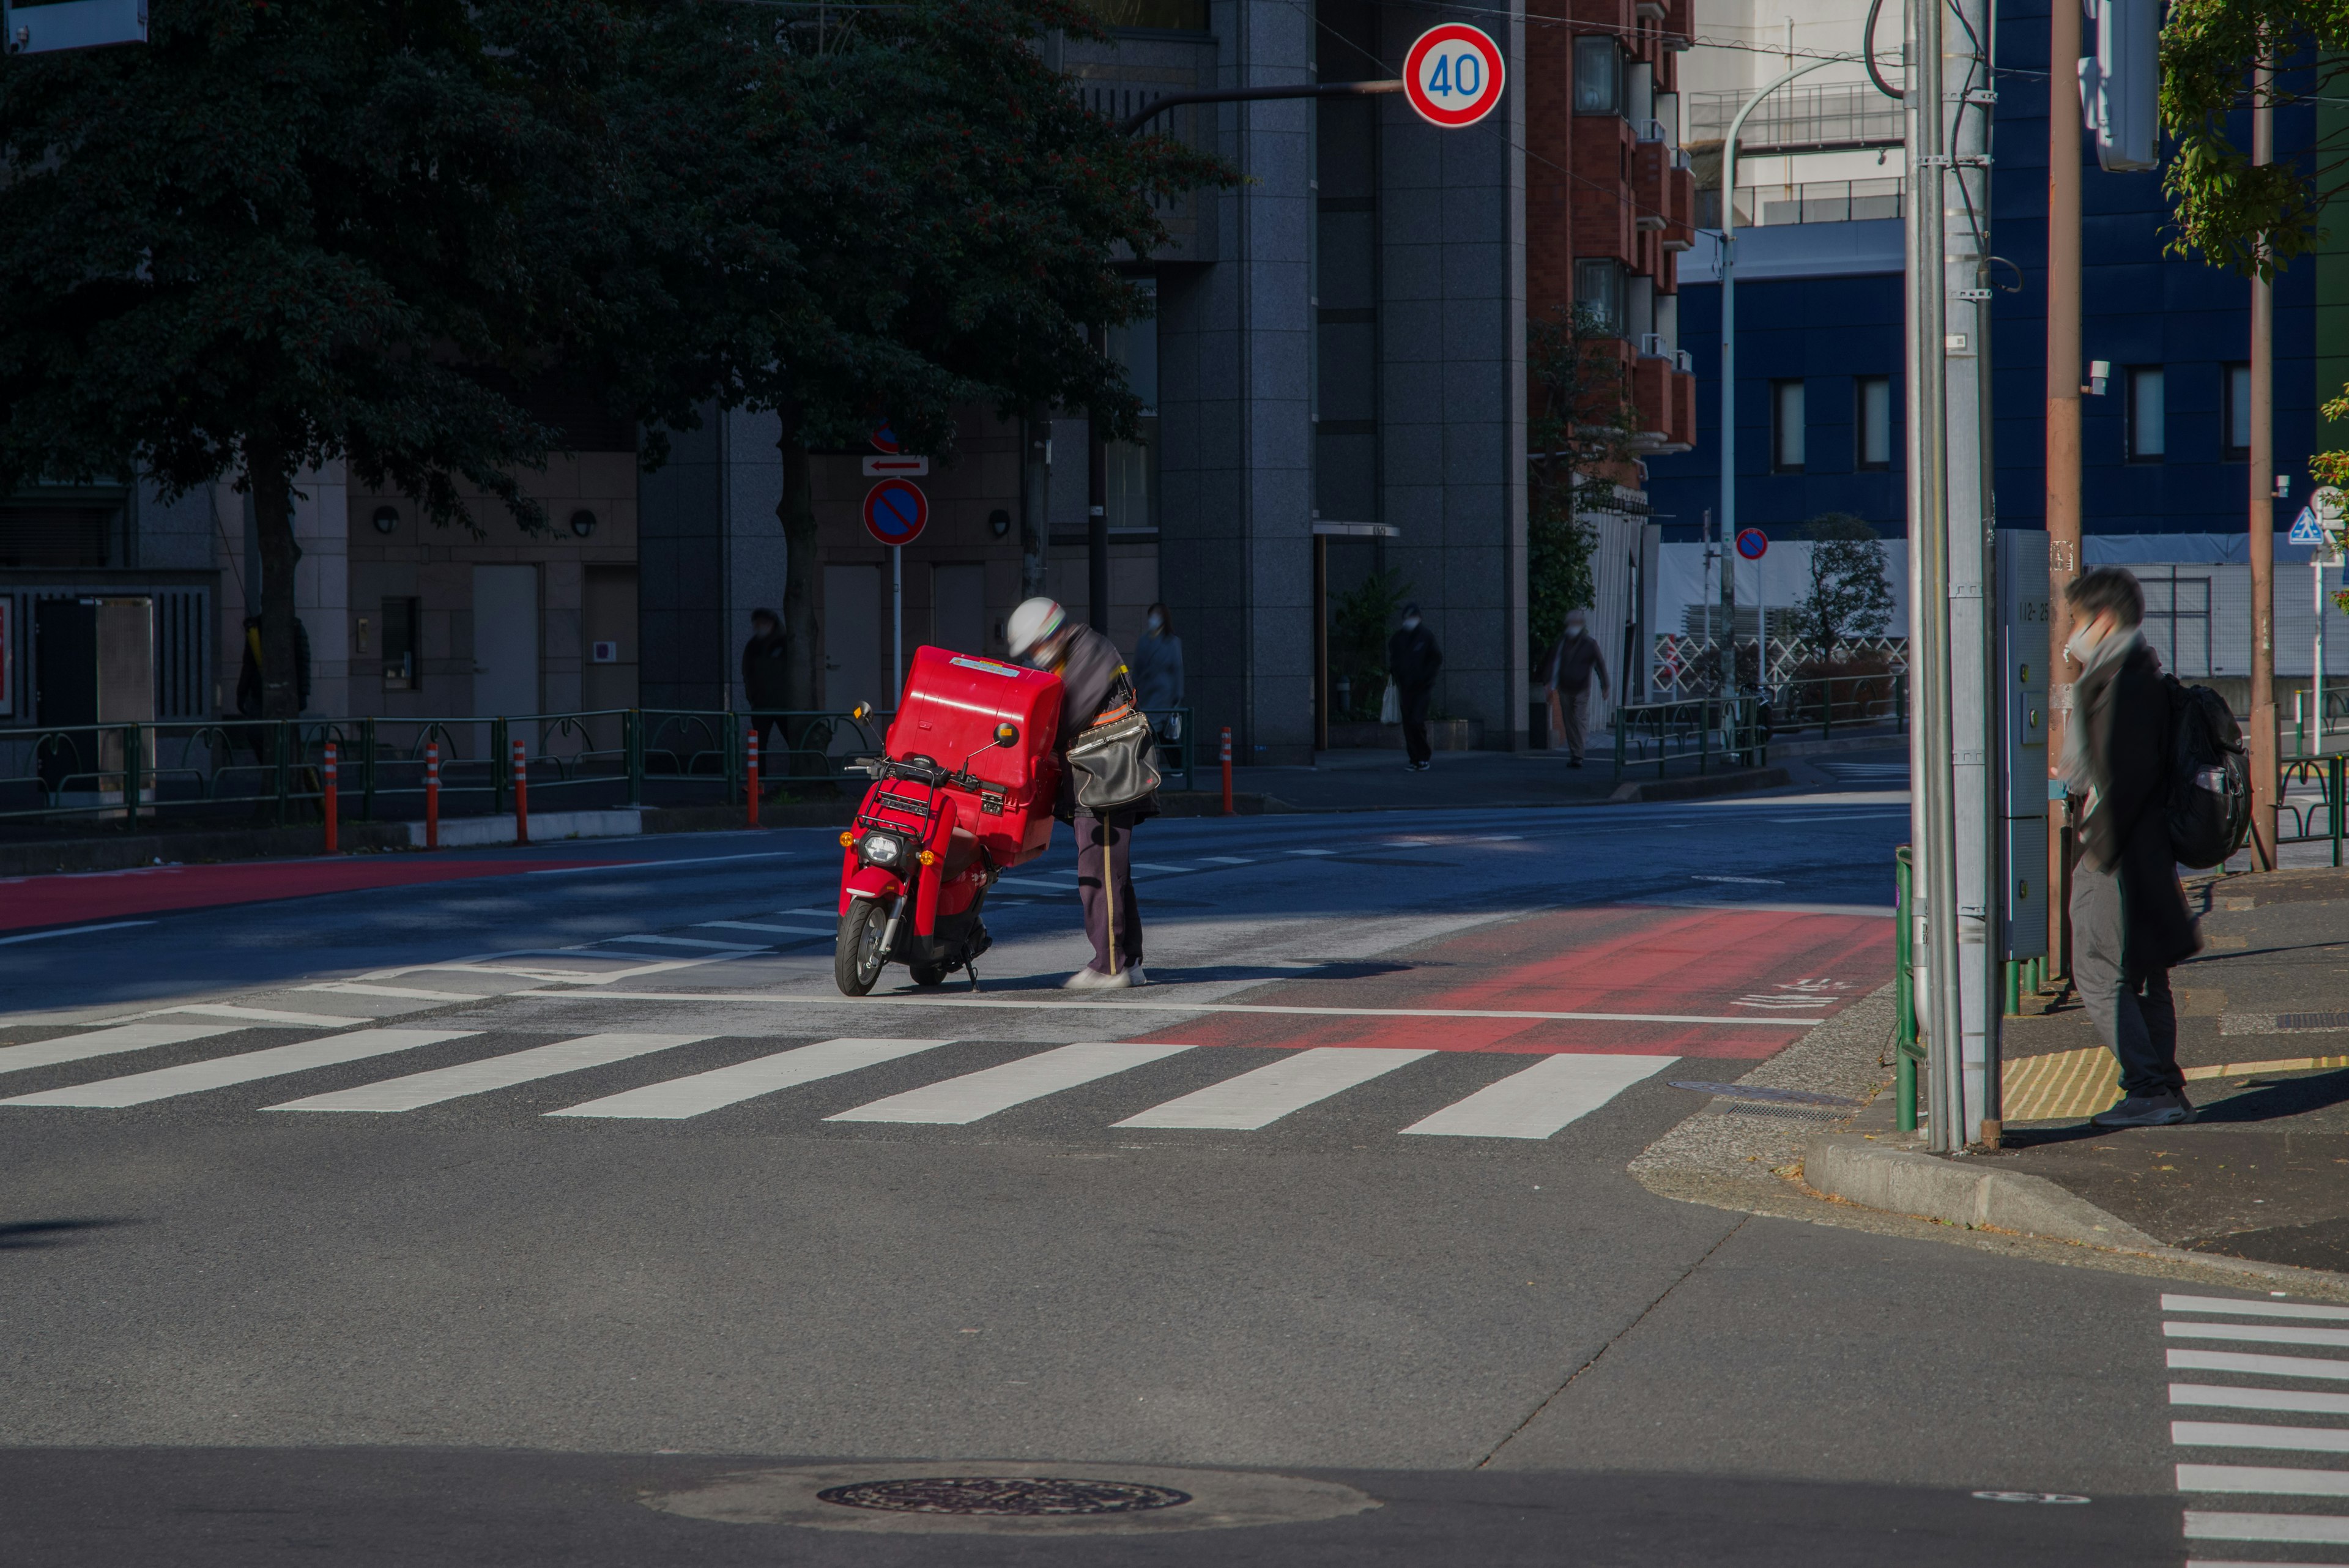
(1132, 492)
(1786, 426)
(1872, 402)
(399, 653)
(1598, 77)
(2146, 438)
(2239, 412)
(1599, 285)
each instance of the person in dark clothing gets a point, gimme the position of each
(1413, 659)
(1094, 688)
(1158, 665)
(1572, 663)
(764, 662)
(2129, 920)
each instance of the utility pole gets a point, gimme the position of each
(2063, 444)
(2263, 738)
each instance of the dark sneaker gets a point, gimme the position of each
(2145, 1111)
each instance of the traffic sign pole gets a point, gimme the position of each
(897, 619)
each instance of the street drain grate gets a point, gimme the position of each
(1004, 1496)
(2313, 1020)
(1821, 1115)
(1758, 1092)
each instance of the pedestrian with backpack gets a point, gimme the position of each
(2129, 920)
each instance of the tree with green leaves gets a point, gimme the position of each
(276, 236)
(1578, 442)
(1851, 587)
(894, 212)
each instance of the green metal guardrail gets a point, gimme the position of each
(1703, 727)
(1908, 1049)
(2327, 773)
(1828, 700)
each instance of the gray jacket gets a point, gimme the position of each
(1158, 665)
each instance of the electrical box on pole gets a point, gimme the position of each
(2120, 84)
(2024, 605)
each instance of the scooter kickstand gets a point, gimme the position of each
(972, 970)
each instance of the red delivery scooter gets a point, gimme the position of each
(964, 791)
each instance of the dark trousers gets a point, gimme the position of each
(1415, 725)
(2131, 1007)
(1105, 888)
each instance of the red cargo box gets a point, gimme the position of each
(949, 713)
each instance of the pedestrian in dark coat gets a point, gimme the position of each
(1158, 665)
(765, 663)
(1412, 661)
(2129, 920)
(1572, 663)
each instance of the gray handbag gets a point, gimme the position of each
(1112, 765)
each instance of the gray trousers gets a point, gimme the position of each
(1573, 720)
(2133, 1013)
(1105, 888)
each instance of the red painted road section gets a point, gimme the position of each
(85, 897)
(1707, 963)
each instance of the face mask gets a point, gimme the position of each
(1410, 623)
(1157, 623)
(1574, 627)
(2081, 646)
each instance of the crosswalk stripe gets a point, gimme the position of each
(690, 1097)
(2170, 1302)
(2269, 1481)
(407, 992)
(1261, 1097)
(419, 1089)
(957, 1102)
(2263, 1333)
(2268, 1366)
(755, 925)
(137, 1088)
(2240, 1398)
(676, 943)
(2253, 1435)
(107, 1042)
(1543, 1099)
(249, 1014)
(2310, 1529)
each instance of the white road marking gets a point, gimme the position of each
(2233, 1398)
(413, 993)
(2250, 1308)
(2263, 1479)
(2251, 1435)
(773, 999)
(958, 1102)
(138, 1088)
(672, 942)
(2259, 1333)
(1031, 882)
(419, 1089)
(777, 930)
(74, 931)
(1545, 1097)
(257, 1016)
(1313, 852)
(2265, 1366)
(1153, 866)
(2308, 1527)
(107, 1043)
(1259, 1099)
(1228, 859)
(691, 1096)
(659, 865)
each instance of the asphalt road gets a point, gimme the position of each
(499, 1220)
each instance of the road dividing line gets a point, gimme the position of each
(74, 931)
(691, 1096)
(1543, 1099)
(957, 1102)
(1157, 865)
(777, 930)
(668, 942)
(2250, 1309)
(1260, 1098)
(107, 1042)
(223, 1071)
(2235, 1398)
(430, 1088)
(2260, 1333)
(2263, 1480)
(2265, 1366)
(1226, 859)
(2251, 1435)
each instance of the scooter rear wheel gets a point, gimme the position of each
(857, 953)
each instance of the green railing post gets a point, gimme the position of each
(500, 767)
(1705, 738)
(367, 770)
(2333, 805)
(131, 769)
(287, 735)
(1904, 991)
(731, 740)
(632, 748)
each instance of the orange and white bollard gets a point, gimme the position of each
(330, 797)
(754, 778)
(1227, 770)
(432, 794)
(521, 794)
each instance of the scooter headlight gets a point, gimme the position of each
(881, 849)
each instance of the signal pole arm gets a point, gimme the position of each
(1136, 120)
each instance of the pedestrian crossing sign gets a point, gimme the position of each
(2305, 529)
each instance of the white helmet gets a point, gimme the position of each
(1034, 621)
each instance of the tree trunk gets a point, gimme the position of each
(1035, 500)
(802, 634)
(273, 513)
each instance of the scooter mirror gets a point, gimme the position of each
(861, 712)
(1006, 735)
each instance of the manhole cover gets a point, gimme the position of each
(1004, 1496)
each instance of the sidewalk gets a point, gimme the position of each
(1376, 780)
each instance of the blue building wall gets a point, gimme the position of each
(2141, 307)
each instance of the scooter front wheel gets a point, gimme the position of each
(857, 953)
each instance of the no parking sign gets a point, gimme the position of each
(895, 511)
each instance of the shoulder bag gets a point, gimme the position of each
(1112, 765)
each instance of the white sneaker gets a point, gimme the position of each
(1091, 979)
(1135, 977)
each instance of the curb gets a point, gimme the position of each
(45, 858)
(1900, 1183)
(1697, 788)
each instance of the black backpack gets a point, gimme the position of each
(2210, 777)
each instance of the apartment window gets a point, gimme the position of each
(400, 660)
(1786, 426)
(1600, 285)
(1872, 402)
(2146, 440)
(1598, 77)
(2239, 412)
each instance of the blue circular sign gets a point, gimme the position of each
(895, 511)
(1753, 543)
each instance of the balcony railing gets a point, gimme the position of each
(1819, 202)
(1801, 119)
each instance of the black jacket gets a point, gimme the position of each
(1573, 661)
(2130, 738)
(1412, 658)
(764, 661)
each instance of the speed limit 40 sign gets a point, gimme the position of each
(1454, 75)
